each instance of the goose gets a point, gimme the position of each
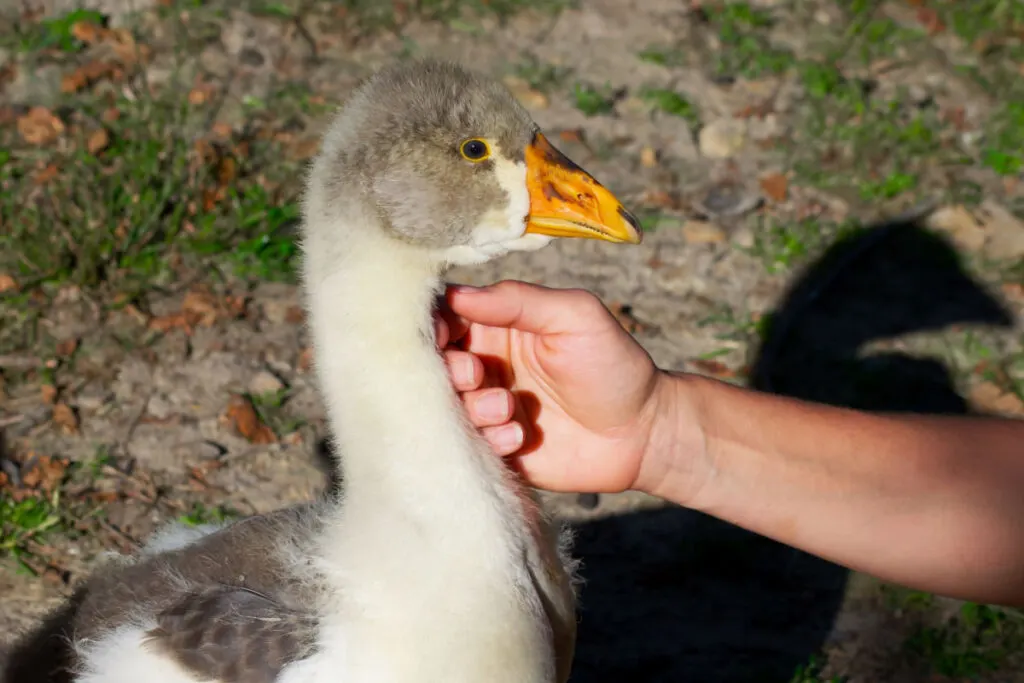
(435, 562)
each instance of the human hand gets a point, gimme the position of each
(588, 401)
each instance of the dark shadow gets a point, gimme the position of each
(673, 595)
(43, 655)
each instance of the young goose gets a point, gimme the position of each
(434, 563)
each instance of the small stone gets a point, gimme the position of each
(702, 232)
(743, 237)
(251, 57)
(1004, 230)
(959, 224)
(265, 382)
(722, 138)
(648, 157)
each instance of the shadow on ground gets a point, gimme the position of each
(674, 595)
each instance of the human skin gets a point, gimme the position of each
(935, 503)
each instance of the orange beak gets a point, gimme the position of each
(566, 201)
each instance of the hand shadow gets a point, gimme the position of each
(673, 595)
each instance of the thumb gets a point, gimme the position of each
(527, 307)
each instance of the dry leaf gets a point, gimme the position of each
(200, 307)
(660, 199)
(648, 157)
(39, 126)
(98, 141)
(65, 418)
(242, 415)
(221, 130)
(166, 323)
(197, 96)
(48, 392)
(45, 175)
(111, 115)
(7, 283)
(305, 361)
(929, 18)
(702, 232)
(304, 149)
(295, 315)
(44, 472)
(227, 170)
(86, 31)
(992, 398)
(571, 135)
(67, 347)
(775, 186)
(87, 74)
(1014, 290)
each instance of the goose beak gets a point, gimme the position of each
(566, 201)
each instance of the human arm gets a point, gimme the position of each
(925, 501)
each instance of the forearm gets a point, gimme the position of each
(935, 503)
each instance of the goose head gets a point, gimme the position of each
(448, 163)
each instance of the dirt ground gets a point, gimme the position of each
(832, 201)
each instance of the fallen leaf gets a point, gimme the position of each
(648, 157)
(994, 399)
(45, 175)
(227, 170)
(90, 73)
(67, 347)
(305, 361)
(48, 392)
(86, 31)
(304, 148)
(7, 283)
(775, 186)
(295, 315)
(111, 114)
(221, 129)
(660, 199)
(65, 418)
(242, 415)
(98, 141)
(929, 18)
(40, 126)
(44, 472)
(1014, 290)
(166, 323)
(571, 135)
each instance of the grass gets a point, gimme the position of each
(27, 520)
(53, 33)
(745, 51)
(200, 514)
(673, 103)
(593, 100)
(975, 641)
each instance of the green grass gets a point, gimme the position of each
(811, 673)
(53, 33)
(200, 514)
(27, 520)
(977, 640)
(541, 75)
(745, 50)
(663, 55)
(593, 100)
(672, 102)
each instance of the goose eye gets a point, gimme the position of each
(475, 150)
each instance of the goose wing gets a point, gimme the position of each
(233, 634)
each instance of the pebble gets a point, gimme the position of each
(722, 138)
(1005, 231)
(702, 232)
(525, 93)
(265, 382)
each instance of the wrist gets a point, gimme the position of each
(675, 463)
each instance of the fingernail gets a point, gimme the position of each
(466, 289)
(464, 370)
(493, 405)
(508, 437)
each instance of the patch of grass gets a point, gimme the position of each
(1004, 145)
(126, 214)
(745, 328)
(811, 673)
(783, 245)
(25, 521)
(53, 33)
(745, 50)
(975, 641)
(200, 514)
(672, 102)
(593, 101)
(663, 55)
(895, 183)
(541, 75)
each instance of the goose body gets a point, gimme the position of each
(435, 562)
